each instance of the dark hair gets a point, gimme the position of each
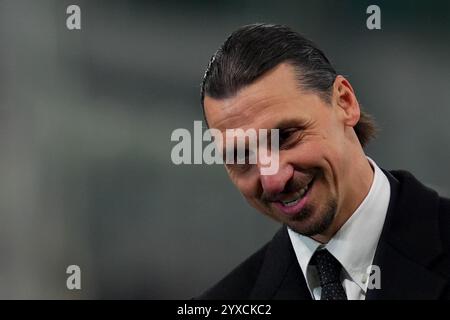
(253, 50)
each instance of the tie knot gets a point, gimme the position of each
(328, 267)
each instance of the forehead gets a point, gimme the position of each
(272, 98)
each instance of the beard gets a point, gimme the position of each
(309, 223)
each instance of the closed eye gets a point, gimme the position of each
(289, 137)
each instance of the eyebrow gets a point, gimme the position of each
(292, 123)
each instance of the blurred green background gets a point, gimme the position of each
(86, 117)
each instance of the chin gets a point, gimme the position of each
(310, 222)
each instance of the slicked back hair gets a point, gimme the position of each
(253, 50)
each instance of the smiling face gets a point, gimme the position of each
(323, 173)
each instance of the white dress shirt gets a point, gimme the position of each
(353, 245)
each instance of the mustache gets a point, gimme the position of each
(293, 185)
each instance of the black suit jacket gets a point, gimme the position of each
(413, 253)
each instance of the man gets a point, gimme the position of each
(350, 229)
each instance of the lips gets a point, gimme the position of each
(295, 198)
(295, 202)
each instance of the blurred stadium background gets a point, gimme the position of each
(86, 117)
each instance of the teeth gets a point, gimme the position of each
(290, 204)
(303, 191)
(296, 199)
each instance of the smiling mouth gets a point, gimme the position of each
(293, 204)
(297, 196)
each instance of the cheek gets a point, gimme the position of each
(316, 155)
(250, 191)
(246, 184)
(307, 155)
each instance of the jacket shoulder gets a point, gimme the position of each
(238, 284)
(417, 194)
(444, 210)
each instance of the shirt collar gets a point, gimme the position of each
(355, 243)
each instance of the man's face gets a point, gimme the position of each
(312, 184)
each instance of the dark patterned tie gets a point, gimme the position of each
(329, 269)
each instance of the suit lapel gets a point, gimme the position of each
(409, 242)
(280, 276)
(403, 278)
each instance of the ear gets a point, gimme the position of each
(344, 98)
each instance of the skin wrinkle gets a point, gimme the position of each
(326, 146)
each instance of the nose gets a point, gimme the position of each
(276, 183)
